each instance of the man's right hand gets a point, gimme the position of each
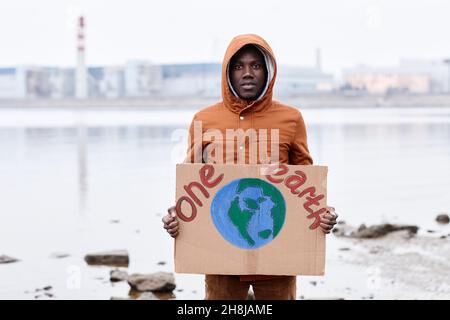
(170, 222)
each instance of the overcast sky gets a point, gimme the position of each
(349, 32)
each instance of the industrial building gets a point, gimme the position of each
(410, 76)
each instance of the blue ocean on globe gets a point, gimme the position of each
(249, 213)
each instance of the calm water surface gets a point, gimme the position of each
(83, 181)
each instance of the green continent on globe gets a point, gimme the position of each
(241, 218)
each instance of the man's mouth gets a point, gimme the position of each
(249, 85)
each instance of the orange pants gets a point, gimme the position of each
(225, 287)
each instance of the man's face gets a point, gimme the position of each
(248, 73)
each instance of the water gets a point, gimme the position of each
(66, 175)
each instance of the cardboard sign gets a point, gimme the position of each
(250, 219)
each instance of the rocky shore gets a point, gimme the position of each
(384, 261)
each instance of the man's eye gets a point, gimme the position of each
(237, 67)
(256, 66)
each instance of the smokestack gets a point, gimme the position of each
(318, 60)
(81, 91)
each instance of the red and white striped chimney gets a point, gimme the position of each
(81, 91)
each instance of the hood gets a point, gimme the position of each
(230, 98)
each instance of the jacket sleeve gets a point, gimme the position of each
(299, 153)
(194, 152)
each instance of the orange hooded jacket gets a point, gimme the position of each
(235, 113)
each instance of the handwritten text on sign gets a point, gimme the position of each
(276, 174)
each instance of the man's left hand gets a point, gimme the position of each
(328, 220)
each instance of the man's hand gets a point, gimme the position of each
(170, 222)
(328, 220)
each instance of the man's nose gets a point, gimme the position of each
(248, 71)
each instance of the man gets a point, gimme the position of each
(248, 76)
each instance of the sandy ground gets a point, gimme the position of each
(391, 267)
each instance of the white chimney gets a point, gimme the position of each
(81, 89)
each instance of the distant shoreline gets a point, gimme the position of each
(186, 103)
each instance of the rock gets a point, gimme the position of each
(362, 227)
(377, 231)
(59, 255)
(159, 281)
(342, 230)
(47, 288)
(114, 221)
(161, 263)
(443, 218)
(147, 296)
(339, 231)
(118, 275)
(111, 258)
(6, 259)
(119, 298)
(431, 231)
(344, 249)
(314, 283)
